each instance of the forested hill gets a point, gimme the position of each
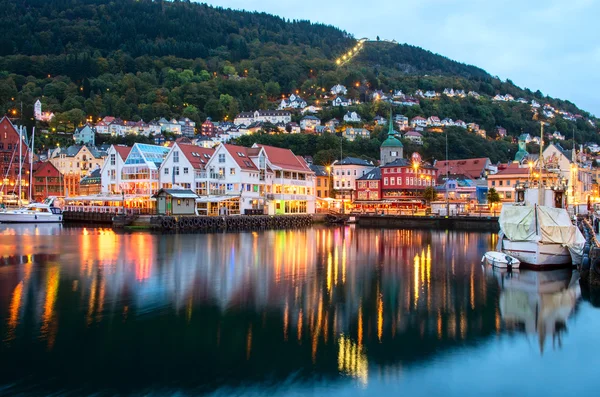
(155, 28)
(147, 59)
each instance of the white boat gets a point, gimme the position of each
(540, 236)
(500, 259)
(44, 212)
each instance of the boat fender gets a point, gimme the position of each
(35, 216)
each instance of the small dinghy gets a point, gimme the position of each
(500, 259)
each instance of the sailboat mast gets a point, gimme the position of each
(540, 163)
(20, 161)
(31, 164)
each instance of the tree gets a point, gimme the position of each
(430, 194)
(492, 196)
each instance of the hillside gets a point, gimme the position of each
(149, 59)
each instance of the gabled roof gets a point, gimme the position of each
(284, 158)
(319, 170)
(177, 193)
(354, 161)
(123, 151)
(243, 156)
(198, 156)
(373, 175)
(472, 168)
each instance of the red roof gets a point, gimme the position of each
(196, 155)
(122, 150)
(472, 168)
(418, 118)
(243, 156)
(285, 158)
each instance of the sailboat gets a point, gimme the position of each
(45, 212)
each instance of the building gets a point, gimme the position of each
(77, 160)
(406, 180)
(391, 149)
(322, 184)
(341, 101)
(140, 171)
(352, 117)
(338, 89)
(477, 168)
(309, 123)
(110, 173)
(85, 135)
(91, 184)
(571, 169)
(293, 102)
(271, 116)
(505, 181)
(13, 149)
(414, 136)
(368, 186)
(39, 115)
(418, 121)
(47, 181)
(183, 165)
(188, 127)
(207, 128)
(500, 132)
(175, 202)
(345, 173)
(351, 133)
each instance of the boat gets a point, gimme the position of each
(540, 236)
(44, 212)
(500, 259)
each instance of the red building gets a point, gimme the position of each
(368, 186)
(47, 181)
(9, 162)
(208, 128)
(402, 179)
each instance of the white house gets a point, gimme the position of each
(448, 92)
(39, 115)
(351, 133)
(309, 123)
(434, 121)
(85, 136)
(414, 137)
(293, 102)
(311, 109)
(338, 89)
(341, 101)
(447, 122)
(352, 117)
(418, 121)
(460, 123)
(401, 121)
(535, 104)
(474, 94)
(110, 173)
(182, 165)
(431, 94)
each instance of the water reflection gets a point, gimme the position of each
(200, 312)
(538, 303)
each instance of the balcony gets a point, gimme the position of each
(209, 175)
(281, 196)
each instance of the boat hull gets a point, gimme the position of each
(537, 254)
(498, 259)
(26, 217)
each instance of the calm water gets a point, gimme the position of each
(324, 311)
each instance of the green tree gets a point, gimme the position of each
(492, 196)
(430, 194)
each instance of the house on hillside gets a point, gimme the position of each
(85, 135)
(418, 121)
(433, 121)
(293, 102)
(338, 89)
(351, 133)
(341, 101)
(352, 117)
(414, 136)
(309, 123)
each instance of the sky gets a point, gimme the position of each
(550, 45)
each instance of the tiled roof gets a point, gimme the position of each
(198, 156)
(472, 168)
(319, 170)
(354, 161)
(242, 156)
(123, 150)
(284, 158)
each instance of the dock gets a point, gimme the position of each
(589, 269)
(480, 223)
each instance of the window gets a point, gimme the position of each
(392, 181)
(232, 171)
(318, 182)
(385, 181)
(166, 171)
(113, 159)
(186, 170)
(176, 156)
(221, 157)
(501, 182)
(508, 195)
(508, 184)
(175, 170)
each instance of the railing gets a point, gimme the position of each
(108, 210)
(209, 175)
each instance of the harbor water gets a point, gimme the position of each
(323, 311)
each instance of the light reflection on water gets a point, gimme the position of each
(88, 310)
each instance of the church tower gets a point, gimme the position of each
(391, 149)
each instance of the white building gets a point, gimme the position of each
(271, 116)
(345, 173)
(77, 160)
(309, 123)
(338, 89)
(110, 173)
(352, 117)
(341, 101)
(183, 166)
(39, 115)
(351, 133)
(293, 102)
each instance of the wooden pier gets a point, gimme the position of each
(483, 223)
